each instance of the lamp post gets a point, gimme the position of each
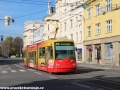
(20, 49)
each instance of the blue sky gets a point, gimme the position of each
(21, 11)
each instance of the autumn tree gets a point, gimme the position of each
(12, 46)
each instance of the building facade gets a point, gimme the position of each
(50, 25)
(71, 23)
(29, 28)
(38, 34)
(101, 32)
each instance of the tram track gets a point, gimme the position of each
(98, 83)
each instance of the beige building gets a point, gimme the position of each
(29, 28)
(102, 36)
(70, 23)
(50, 25)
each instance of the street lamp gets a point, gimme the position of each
(20, 49)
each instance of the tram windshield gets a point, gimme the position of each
(64, 50)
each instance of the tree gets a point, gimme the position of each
(18, 44)
(12, 46)
(6, 46)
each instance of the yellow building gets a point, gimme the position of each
(102, 31)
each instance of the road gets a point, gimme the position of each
(17, 77)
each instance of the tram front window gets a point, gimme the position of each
(64, 50)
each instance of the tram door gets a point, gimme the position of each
(49, 54)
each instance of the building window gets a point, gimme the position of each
(76, 21)
(76, 36)
(61, 27)
(109, 5)
(31, 31)
(89, 31)
(89, 13)
(48, 27)
(33, 25)
(65, 1)
(109, 26)
(71, 21)
(65, 25)
(71, 36)
(108, 51)
(65, 11)
(98, 29)
(98, 9)
(80, 35)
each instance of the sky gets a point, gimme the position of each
(21, 11)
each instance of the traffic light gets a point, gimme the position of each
(7, 20)
(13, 20)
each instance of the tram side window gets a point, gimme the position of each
(50, 52)
(42, 52)
(31, 56)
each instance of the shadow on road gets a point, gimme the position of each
(10, 61)
(81, 70)
(95, 83)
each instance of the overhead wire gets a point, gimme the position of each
(21, 2)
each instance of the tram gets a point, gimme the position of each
(54, 56)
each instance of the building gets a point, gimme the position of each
(101, 32)
(29, 28)
(71, 23)
(38, 34)
(50, 25)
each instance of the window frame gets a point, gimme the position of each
(109, 5)
(98, 29)
(89, 31)
(108, 26)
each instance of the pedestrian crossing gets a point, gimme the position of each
(12, 71)
(6, 69)
(15, 71)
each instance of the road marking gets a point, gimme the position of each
(22, 70)
(4, 72)
(52, 77)
(13, 71)
(75, 83)
(9, 68)
(19, 66)
(38, 73)
(31, 70)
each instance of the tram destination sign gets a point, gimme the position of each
(63, 43)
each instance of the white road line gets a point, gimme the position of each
(81, 85)
(9, 68)
(52, 77)
(31, 70)
(19, 66)
(22, 70)
(13, 71)
(38, 73)
(4, 72)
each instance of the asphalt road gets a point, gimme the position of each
(14, 76)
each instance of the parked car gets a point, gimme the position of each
(13, 56)
(4, 57)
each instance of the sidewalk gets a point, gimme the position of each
(97, 66)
